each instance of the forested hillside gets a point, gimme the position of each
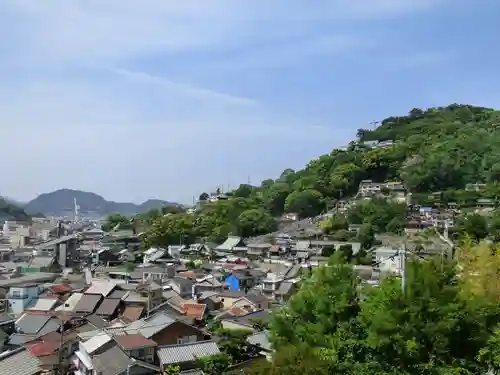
(9, 211)
(439, 149)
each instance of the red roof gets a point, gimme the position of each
(194, 310)
(60, 289)
(133, 341)
(40, 349)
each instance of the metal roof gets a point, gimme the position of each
(102, 287)
(20, 363)
(31, 324)
(149, 327)
(260, 339)
(70, 303)
(108, 306)
(172, 354)
(42, 304)
(95, 342)
(88, 303)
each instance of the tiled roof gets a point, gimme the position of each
(39, 349)
(112, 361)
(194, 310)
(132, 313)
(108, 306)
(20, 363)
(172, 354)
(135, 341)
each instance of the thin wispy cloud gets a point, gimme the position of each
(168, 98)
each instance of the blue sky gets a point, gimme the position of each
(166, 99)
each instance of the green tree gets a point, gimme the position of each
(114, 220)
(243, 191)
(215, 364)
(335, 223)
(305, 203)
(254, 222)
(475, 226)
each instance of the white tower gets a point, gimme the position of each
(77, 211)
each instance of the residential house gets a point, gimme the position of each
(29, 326)
(164, 330)
(101, 287)
(271, 284)
(196, 250)
(153, 254)
(485, 203)
(109, 308)
(261, 341)
(252, 302)
(208, 284)
(186, 355)
(157, 274)
(19, 297)
(387, 259)
(182, 286)
(153, 292)
(229, 297)
(247, 321)
(88, 303)
(240, 280)
(137, 346)
(88, 349)
(258, 250)
(301, 246)
(285, 291)
(132, 313)
(233, 244)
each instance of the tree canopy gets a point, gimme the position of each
(437, 324)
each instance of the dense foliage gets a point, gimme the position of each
(443, 322)
(12, 212)
(439, 149)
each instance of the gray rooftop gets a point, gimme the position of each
(112, 361)
(32, 324)
(20, 362)
(172, 354)
(56, 241)
(37, 277)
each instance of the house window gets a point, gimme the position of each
(16, 293)
(141, 353)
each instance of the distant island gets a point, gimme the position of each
(61, 203)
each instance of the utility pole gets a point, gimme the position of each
(59, 369)
(402, 259)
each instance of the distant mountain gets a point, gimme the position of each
(61, 203)
(9, 211)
